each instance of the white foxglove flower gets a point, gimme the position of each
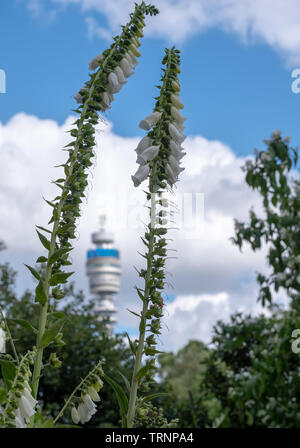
(126, 67)
(176, 134)
(19, 421)
(78, 98)
(94, 63)
(140, 175)
(134, 50)
(150, 121)
(106, 99)
(26, 410)
(172, 177)
(177, 115)
(147, 155)
(83, 413)
(75, 415)
(93, 394)
(176, 86)
(113, 83)
(120, 75)
(89, 403)
(143, 144)
(131, 59)
(176, 101)
(2, 341)
(176, 150)
(29, 397)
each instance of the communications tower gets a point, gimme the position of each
(103, 270)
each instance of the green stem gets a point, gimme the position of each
(44, 308)
(61, 412)
(140, 348)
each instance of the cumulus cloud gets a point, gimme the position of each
(210, 277)
(275, 23)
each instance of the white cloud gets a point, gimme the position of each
(211, 278)
(273, 22)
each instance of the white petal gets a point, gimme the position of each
(25, 408)
(19, 420)
(90, 404)
(131, 59)
(177, 115)
(27, 394)
(84, 413)
(126, 67)
(176, 134)
(172, 177)
(106, 99)
(143, 144)
(93, 394)
(75, 415)
(176, 101)
(2, 341)
(78, 98)
(140, 175)
(150, 121)
(147, 155)
(120, 75)
(113, 83)
(94, 63)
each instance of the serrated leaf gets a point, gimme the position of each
(60, 277)
(23, 324)
(44, 241)
(51, 333)
(9, 371)
(121, 396)
(33, 272)
(40, 293)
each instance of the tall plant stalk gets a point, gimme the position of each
(114, 65)
(158, 155)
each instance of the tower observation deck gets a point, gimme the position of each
(103, 270)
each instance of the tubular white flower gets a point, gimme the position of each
(26, 410)
(177, 115)
(150, 121)
(75, 415)
(176, 150)
(106, 99)
(19, 421)
(131, 59)
(78, 98)
(140, 175)
(134, 50)
(93, 394)
(176, 101)
(143, 144)
(84, 413)
(176, 86)
(120, 75)
(2, 341)
(29, 397)
(147, 155)
(172, 177)
(176, 134)
(126, 67)
(94, 63)
(90, 404)
(113, 83)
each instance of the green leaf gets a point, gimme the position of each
(152, 396)
(131, 344)
(121, 396)
(33, 272)
(43, 228)
(23, 324)
(44, 241)
(57, 254)
(9, 371)
(42, 260)
(51, 333)
(142, 372)
(126, 382)
(57, 314)
(132, 312)
(60, 277)
(40, 293)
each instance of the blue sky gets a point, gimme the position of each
(237, 60)
(233, 91)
